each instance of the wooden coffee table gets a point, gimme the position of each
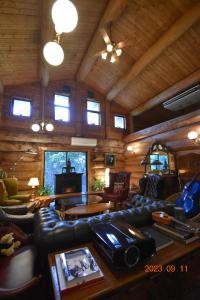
(90, 209)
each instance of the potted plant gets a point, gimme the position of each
(44, 190)
(98, 185)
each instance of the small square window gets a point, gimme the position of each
(93, 113)
(93, 118)
(21, 107)
(120, 122)
(61, 100)
(92, 105)
(62, 107)
(61, 114)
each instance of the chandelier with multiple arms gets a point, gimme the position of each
(113, 50)
(42, 124)
(65, 19)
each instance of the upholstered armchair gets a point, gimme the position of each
(9, 193)
(19, 277)
(24, 221)
(118, 189)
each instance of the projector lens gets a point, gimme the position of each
(131, 256)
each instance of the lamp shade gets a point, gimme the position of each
(53, 53)
(64, 15)
(49, 127)
(34, 181)
(35, 127)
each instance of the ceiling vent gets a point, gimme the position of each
(76, 141)
(184, 99)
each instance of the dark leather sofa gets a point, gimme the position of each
(52, 234)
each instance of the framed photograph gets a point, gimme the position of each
(110, 160)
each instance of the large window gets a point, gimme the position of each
(120, 122)
(56, 160)
(21, 107)
(62, 107)
(93, 113)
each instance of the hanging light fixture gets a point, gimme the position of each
(104, 55)
(53, 53)
(113, 58)
(65, 18)
(112, 50)
(64, 15)
(42, 125)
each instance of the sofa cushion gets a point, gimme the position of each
(3, 192)
(51, 234)
(11, 186)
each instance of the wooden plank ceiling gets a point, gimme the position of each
(163, 47)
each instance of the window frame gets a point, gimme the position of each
(124, 121)
(67, 107)
(24, 100)
(93, 111)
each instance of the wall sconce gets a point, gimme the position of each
(130, 149)
(194, 136)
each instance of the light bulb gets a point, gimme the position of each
(118, 51)
(104, 55)
(130, 148)
(49, 127)
(35, 127)
(109, 47)
(53, 53)
(192, 135)
(113, 58)
(64, 15)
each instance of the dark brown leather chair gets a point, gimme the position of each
(18, 276)
(118, 189)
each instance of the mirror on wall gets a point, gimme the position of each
(159, 160)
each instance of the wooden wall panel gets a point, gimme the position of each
(173, 134)
(13, 154)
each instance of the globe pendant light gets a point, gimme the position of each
(64, 15)
(53, 53)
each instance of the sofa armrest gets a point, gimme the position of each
(15, 209)
(11, 202)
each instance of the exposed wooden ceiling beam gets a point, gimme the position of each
(169, 37)
(170, 92)
(182, 121)
(113, 11)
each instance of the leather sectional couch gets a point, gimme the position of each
(52, 234)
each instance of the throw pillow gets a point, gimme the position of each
(118, 187)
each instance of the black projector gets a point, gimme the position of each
(122, 245)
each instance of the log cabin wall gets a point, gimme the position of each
(173, 134)
(16, 136)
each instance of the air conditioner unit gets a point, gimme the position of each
(76, 141)
(184, 99)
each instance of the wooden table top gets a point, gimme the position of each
(112, 281)
(88, 209)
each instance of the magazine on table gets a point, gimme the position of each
(77, 268)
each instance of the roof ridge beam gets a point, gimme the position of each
(168, 38)
(113, 11)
